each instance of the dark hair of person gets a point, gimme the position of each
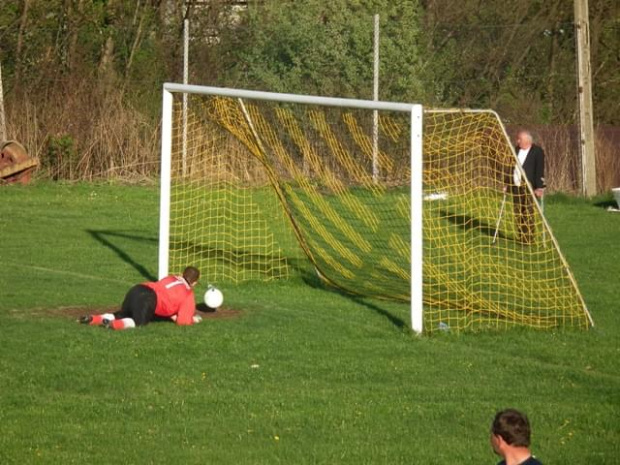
(513, 426)
(191, 274)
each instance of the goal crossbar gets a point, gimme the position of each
(289, 98)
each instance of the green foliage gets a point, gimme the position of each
(605, 43)
(324, 48)
(514, 60)
(110, 45)
(518, 60)
(61, 156)
(61, 146)
(305, 375)
(63, 60)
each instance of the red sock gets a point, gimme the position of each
(124, 323)
(97, 320)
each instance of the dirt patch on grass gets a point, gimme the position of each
(74, 313)
(222, 312)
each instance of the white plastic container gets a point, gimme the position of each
(616, 192)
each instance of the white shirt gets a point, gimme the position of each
(522, 155)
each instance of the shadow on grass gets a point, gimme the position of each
(103, 237)
(606, 204)
(248, 260)
(265, 264)
(314, 281)
(470, 223)
(604, 200)
(396, 321)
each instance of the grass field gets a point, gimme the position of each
(303, 375)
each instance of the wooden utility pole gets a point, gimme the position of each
(2, 118)
(584, 89)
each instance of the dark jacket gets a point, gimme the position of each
(534, 167)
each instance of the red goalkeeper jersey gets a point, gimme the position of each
(174, 297)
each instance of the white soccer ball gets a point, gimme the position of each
(214, 298)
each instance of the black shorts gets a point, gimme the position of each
(139, 304)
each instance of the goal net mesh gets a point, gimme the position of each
(264, 190)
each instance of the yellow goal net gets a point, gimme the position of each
(262, 189)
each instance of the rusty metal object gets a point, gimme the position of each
(15, 164)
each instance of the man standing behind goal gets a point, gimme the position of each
(532, 160)
(171, 297)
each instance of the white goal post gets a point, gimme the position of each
(415, 112)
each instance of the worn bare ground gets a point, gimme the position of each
(76, 312)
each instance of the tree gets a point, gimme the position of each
(325, 48)
(518, 60)
(605, 55)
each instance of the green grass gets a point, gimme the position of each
(339, 380)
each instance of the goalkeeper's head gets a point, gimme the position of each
(191, 274)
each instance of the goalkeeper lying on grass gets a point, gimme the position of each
(171, 297)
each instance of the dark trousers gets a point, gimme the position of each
(524, 213)
(139, 304)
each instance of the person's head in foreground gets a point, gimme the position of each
(191, 275)
(510, 438)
